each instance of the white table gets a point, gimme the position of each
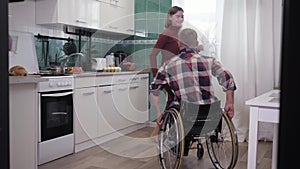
(264, 108)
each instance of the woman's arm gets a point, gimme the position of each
(156, 49)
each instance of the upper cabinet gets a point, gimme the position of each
(108, 15)
(80, 13)
(117, 16)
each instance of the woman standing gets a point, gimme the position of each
(168, 44)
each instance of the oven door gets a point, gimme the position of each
(56, 114)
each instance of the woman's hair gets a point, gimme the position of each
(173, 10)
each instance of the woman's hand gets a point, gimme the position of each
(200, 48)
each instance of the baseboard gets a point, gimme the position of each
(97, 141)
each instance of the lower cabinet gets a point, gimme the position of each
(111, 100)
(23, 126)
(104, 108)
(138, 99)
(86, 114)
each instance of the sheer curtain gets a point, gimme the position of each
(250, 49)
(246, 35)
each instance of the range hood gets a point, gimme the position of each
(23, 51)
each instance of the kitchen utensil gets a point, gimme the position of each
(110, 59)
(119, 57)
(57, 70)
(98, 63)
(69, 47)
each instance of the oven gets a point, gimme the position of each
(56, 136)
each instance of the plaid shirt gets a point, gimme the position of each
(190, 77)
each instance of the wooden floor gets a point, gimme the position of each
(138, 151)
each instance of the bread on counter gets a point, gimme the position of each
(17, 71)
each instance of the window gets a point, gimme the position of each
(206, 17)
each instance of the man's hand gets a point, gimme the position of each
(229, 105)
(229, 109)
(159, 120)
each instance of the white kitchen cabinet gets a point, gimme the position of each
(138, 99)
(108, 104)
(133, 103)
(117, 16)
(124, 103)
(85, 110)
(86, 114)
(80, 13)
(23, 127)
(109, 99)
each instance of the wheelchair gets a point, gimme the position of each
(182, 126)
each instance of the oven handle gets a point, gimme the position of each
(57, 94)
(59, 113)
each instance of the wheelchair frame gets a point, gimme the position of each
(221, 142)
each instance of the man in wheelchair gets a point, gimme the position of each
(189, 75)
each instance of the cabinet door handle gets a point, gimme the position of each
(130, 30)
(103, 2)
(79, 21)
(133, 87)
(143, 78)
(107, 91)
(134, 78)
(115, 2)
(88, 93)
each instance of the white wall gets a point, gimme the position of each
(277, 40)
(22, 18)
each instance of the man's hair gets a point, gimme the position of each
(188, 37)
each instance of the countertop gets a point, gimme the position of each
(37, 78)
(25, 79)
(84, 74)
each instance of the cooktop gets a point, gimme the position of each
(49, 74)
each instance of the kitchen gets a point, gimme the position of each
(29, 29)
(105, 104)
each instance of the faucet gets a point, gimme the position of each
(66, 60)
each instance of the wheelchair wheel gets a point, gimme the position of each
(171, 140)
(222, 144)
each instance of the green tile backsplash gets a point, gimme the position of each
(149, 19)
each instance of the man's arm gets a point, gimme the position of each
(229, 104)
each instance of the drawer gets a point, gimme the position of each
(143, 77)
(115, 79)
(120, 79)
(81, 82)
(103, 80)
